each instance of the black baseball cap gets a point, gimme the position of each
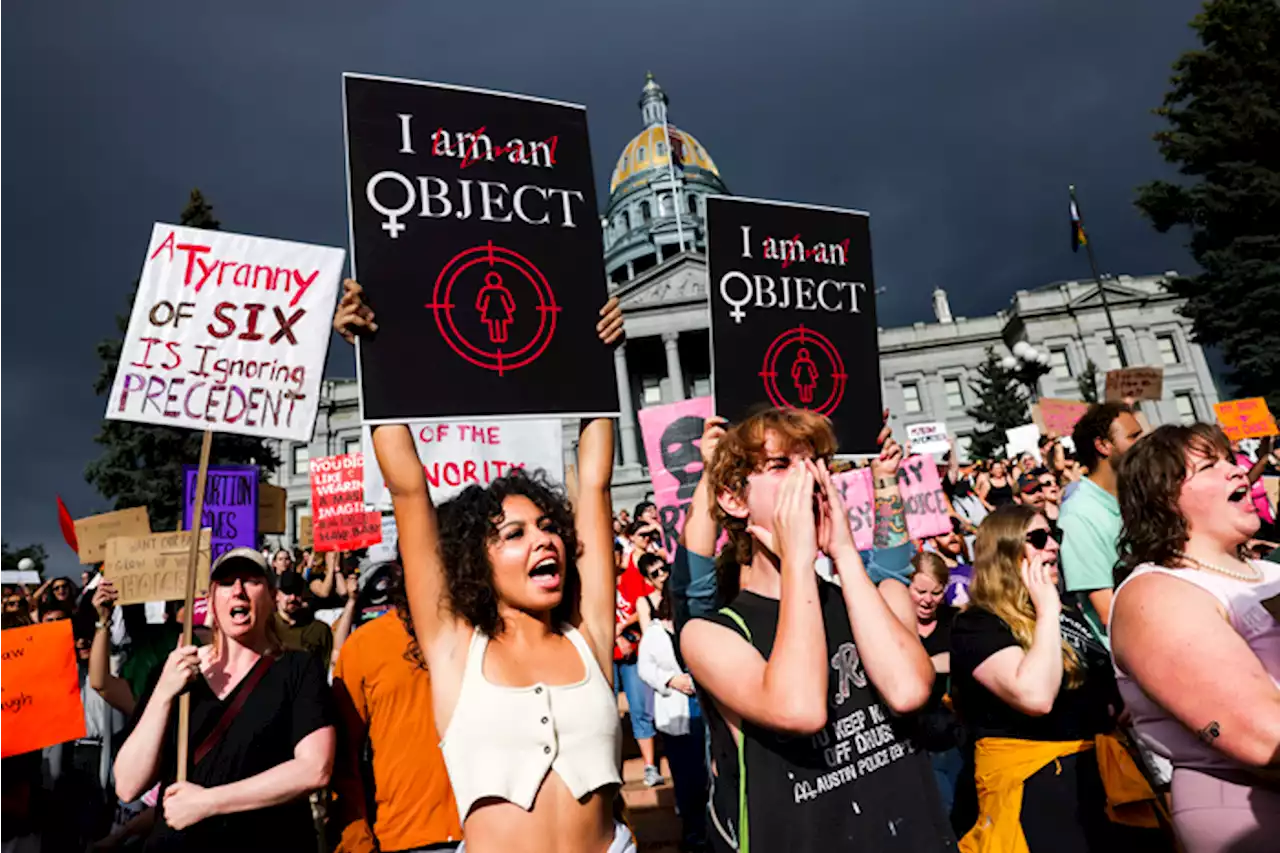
(291, 583)
(241, 558)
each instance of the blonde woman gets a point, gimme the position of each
(261, 735)
(1034, 689)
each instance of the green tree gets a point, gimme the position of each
(141, 464)
(1088, 383)
(9, 557)
(1002, 405)
(1224, 137)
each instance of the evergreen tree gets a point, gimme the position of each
(1088, 383)
(1224, 137)
(141, 464)
(1002, 405)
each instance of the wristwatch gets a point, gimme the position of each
(100, 625)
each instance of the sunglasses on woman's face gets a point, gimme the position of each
(664, 571)
(1039, 538)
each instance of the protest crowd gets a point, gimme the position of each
(842, 642)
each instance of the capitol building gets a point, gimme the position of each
(654, 242)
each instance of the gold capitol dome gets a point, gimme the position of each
(648, 154)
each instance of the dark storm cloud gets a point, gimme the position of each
(957, 126)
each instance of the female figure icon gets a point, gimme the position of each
(804, 373)
(496, 306)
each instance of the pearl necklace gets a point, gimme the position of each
(1253, 576)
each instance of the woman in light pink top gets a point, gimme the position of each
(1195, 644)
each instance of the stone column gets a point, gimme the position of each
(626, 412)
(671, 340)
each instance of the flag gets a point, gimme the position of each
(1077, 228)
(68, 526)
(677, 147)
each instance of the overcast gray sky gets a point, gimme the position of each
(957, 125)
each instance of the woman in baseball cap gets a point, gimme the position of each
(261, 733)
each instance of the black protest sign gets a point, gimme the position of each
(793, 316)
(476, 237)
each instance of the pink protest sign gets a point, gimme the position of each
(922, 500)
(922, 497)
(855, 491)
(672, 439)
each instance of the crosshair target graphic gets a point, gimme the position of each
(492, 292)
(794, 361)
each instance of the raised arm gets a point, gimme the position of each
(892, 550)
(891, 652)
(787, 692)
(1264, 454)
(700, 528)
(1028, 681)
(435, 625)
(110, 687)
(593, 518)
(323, 587)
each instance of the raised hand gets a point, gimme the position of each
(353, 316)
(610, 326)
(1041, 588)
(104, 598)
(835, 538)
(712, 432)
(890, 459)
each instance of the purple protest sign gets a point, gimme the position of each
(230, 505)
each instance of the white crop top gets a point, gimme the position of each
(502, 741)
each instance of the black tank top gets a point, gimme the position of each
(859, 784)
(998, 496)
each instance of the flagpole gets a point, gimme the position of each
(1102, 288)
(671, 173)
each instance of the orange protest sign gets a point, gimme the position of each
(1248, 418)
(40, 687)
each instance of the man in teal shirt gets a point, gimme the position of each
(1090, 521)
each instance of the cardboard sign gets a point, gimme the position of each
(477, 239)
(1135, 383)
(339, 520)
(1057, 417)
(304, 531)
(672, 443)
(458, 454)
(1248, 418)
(93, 532)
(230, 505)
(793, 315)
(923, 500)
(272, 508)
(928, 438)
(154, 567)
(229, 333)
(40, 688)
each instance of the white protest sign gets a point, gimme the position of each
(1023, 439)
(457, 454)
(17, 577)
(229, 333)
(928, 438)
(385, 551)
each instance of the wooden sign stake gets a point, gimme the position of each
(193, 557)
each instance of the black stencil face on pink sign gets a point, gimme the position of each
(681, 454)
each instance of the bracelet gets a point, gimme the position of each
(100, 625)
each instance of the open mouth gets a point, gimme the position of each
(239, 614)
(546, 575)
(1239, 495)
